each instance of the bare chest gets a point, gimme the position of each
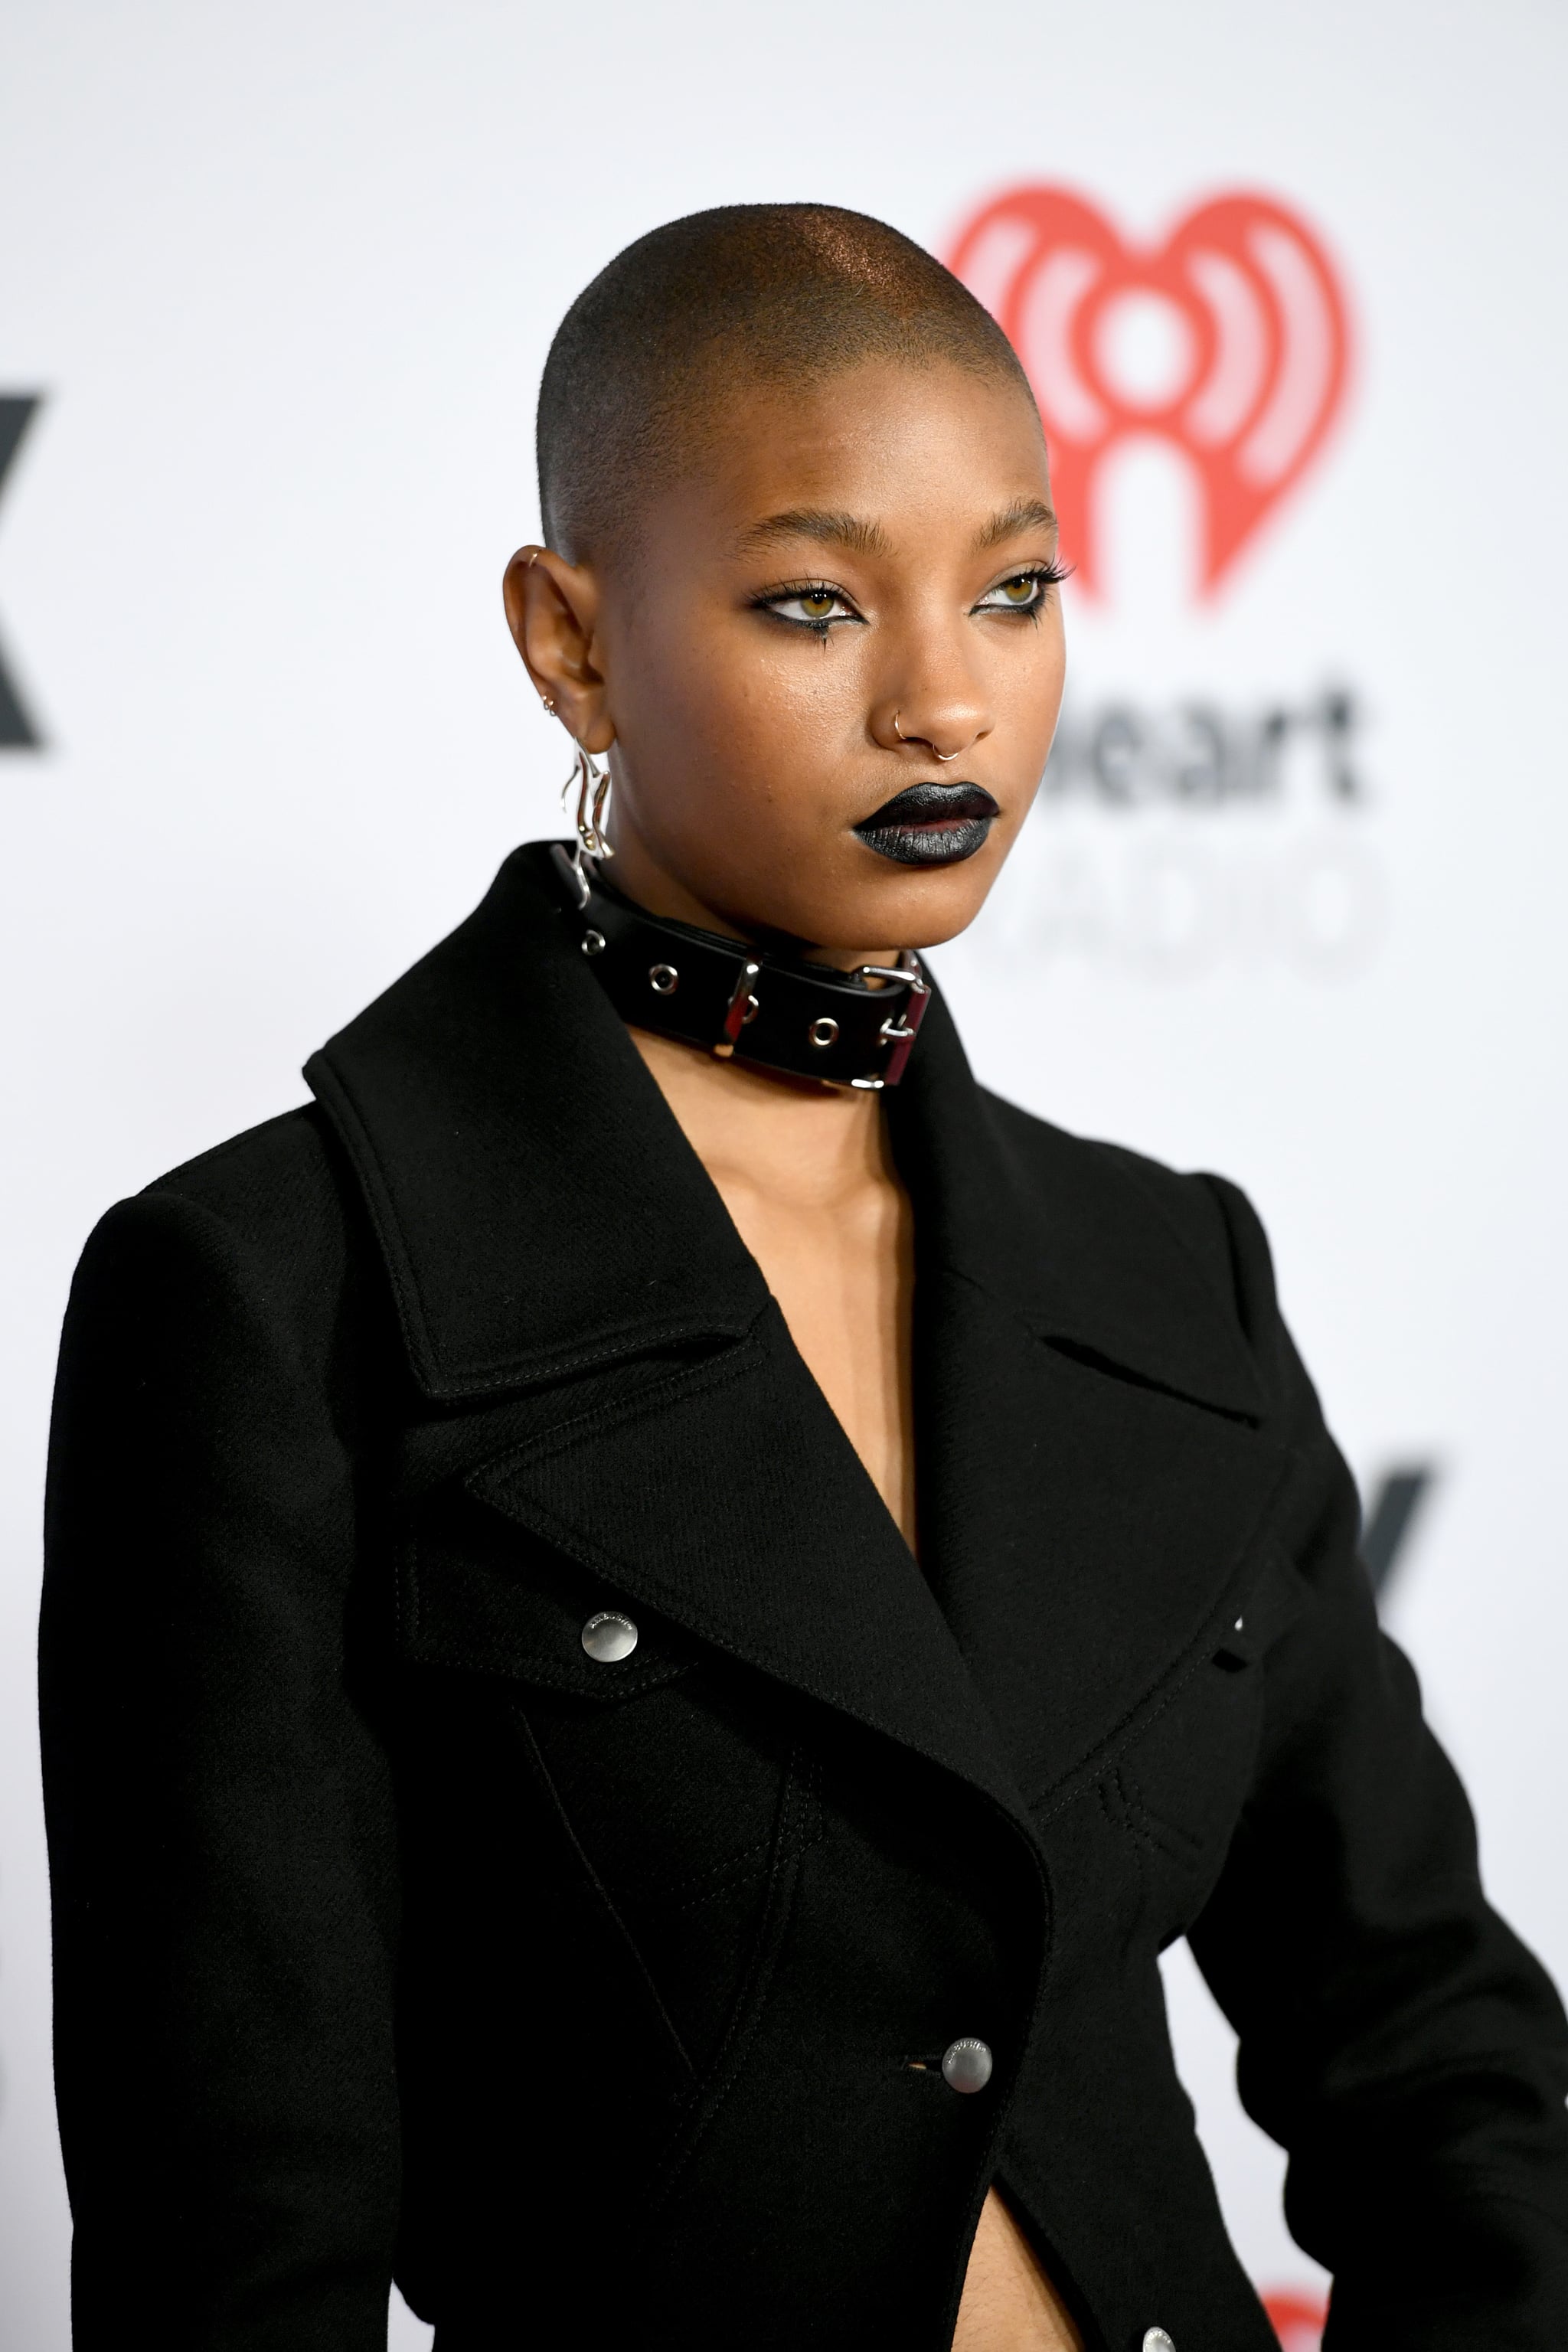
(843, 1275)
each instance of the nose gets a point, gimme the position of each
(940, 712)
(941, 757)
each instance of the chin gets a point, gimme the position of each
(898, 906)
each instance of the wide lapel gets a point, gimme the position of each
(537, 1206)
(598, 1356)
(727, 1496)
(1091, 1478)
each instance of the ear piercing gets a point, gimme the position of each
(942, 758)
(547, 701)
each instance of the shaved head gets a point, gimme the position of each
(697, 313)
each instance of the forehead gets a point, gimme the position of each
(895, 443)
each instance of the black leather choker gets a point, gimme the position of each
(741, 1001)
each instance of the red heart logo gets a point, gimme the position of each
(1232, 340)
(1299, 2320)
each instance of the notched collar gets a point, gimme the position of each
(543, 1216)
(1079, 1241)
(539, 1209)
(541, 1213)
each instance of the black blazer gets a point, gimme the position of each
(605, 2001)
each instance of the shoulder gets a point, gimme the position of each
(275, 1183)
(1162, 1253)
(263, 1222)
(1202, 1214)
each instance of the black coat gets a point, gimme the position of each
(605, 2002)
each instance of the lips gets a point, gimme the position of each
(930, 824)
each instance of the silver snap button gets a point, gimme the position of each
(1156, 2340)
(966, 2064)
(593, 943)
(663, 979)
(608, 1637)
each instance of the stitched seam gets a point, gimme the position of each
(555, 1678)
(613, 1569)
(693, 1380)
(660, 1594)
(734, 1871)
(601, 1892)
(639, 1339)
(378, 1201)
(413, 1312)
(1151, 1829)
(1174, 1690)
(1158, 1827)
(742, 2027)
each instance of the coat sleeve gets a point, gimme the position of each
(1395, 2037)
(219, 1809)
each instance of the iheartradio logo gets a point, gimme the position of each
(1231, 341)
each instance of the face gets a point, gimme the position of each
(828, 679)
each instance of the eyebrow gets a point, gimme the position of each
(849, 531)
(863, 538)
(1024, 514)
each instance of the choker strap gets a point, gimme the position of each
(805, 1018)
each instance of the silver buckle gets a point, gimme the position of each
(742, 1008)
(899, 1032)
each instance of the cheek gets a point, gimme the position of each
(1026, 684)
(782, 689)
(728, 709)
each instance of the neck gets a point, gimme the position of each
(812, 1144)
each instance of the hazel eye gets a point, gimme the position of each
(812, 608)
(1020, 594)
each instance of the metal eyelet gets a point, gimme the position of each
(593, 943)
(663, 979)
(824, 1032)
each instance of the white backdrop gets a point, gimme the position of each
(284, 279)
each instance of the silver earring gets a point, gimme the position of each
(592, 784)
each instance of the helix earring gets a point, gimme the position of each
(592, 784)
(942, 758)
(547, 701)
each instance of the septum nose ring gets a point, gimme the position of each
(942, 758)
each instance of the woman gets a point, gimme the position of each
(657, 1607)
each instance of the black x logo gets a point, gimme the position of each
(16, 730)
(1385, 1526)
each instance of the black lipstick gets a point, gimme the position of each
(930, 824)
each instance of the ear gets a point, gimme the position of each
(551, 610)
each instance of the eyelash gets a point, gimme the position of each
(1047, 575)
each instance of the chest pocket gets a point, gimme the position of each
(679, 1790)
(1178, 1788)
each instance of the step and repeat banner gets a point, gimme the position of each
(274, 296)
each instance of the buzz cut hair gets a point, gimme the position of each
(746, 297)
